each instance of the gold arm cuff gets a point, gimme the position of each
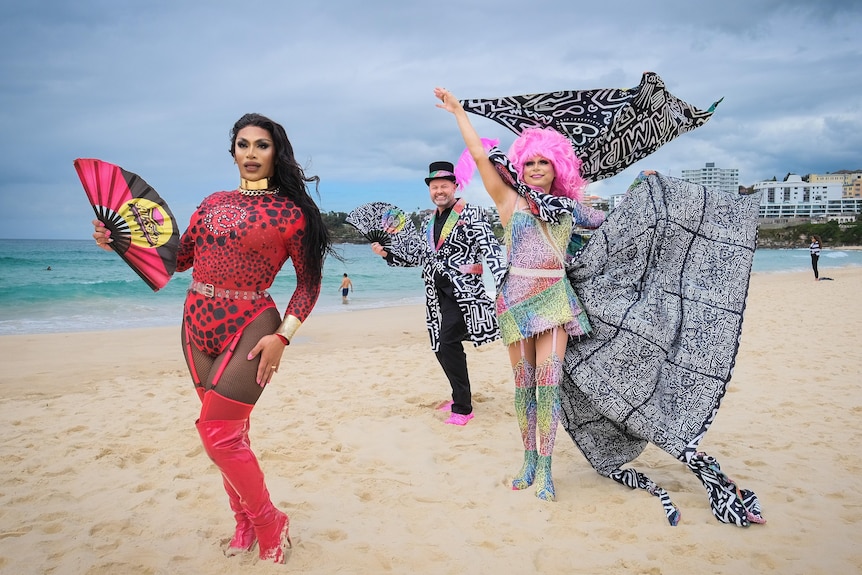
(288, 327)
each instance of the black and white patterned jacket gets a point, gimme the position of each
(457, 259)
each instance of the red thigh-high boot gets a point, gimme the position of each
(244, 537)
(223, 428)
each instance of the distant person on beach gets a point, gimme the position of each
(814, 248)
(537, 308)
(346, 287)
(233, 336)
(457, 307)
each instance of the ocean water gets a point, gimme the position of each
(797, 260)
(88, 289)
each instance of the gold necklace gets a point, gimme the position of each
(258, 192)
(256, 187)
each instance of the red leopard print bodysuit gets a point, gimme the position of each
(241, 242)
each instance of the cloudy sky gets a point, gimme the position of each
(155, 86)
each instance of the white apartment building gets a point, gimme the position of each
(852, 181)
(795, 198)
(725, 179)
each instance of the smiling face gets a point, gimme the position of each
(442, 193)
(254, 153)
(539, 172)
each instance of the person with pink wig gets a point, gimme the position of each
(536, 188)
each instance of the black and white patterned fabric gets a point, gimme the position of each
(729, 503)
(664, 281)
(471, 240)
(610, 128)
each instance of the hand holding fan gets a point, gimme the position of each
(378, 221)
(143, 229)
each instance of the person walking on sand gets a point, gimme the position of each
(814, 248)
(346, 287)
(233, 336)
(457, 307)
(536, 306)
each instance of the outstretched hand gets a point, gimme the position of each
(448, 100)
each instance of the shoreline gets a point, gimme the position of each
(72, 302)
(364, 306)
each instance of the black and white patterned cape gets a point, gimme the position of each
(471, 240)
(664, 281)
(609, 128)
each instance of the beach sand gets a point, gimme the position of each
(103, 471)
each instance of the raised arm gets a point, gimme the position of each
(500, 192)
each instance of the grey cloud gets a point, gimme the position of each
(157, 89)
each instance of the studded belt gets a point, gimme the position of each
(209, 290)
(538, 273)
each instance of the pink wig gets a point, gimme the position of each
(553, 146)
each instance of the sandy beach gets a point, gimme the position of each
(104, 472)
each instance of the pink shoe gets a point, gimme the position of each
(459, 419)
(446, 406)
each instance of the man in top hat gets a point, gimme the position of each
(457, 307)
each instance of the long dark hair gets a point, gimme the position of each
(293, 183)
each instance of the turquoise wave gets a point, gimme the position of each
(89, 289)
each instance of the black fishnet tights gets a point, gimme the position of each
(238, 379)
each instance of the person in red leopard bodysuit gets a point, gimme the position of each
(233, 335)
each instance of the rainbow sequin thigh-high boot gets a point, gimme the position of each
(548, 376)
(525, 412)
